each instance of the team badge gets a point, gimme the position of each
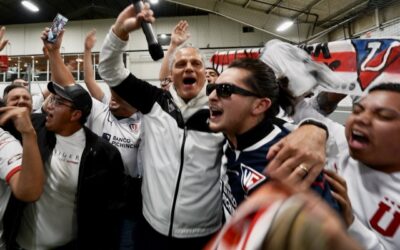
(134, 127)
(106, 136)
(250, 178)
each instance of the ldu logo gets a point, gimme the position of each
(250, 178)
(375, 56)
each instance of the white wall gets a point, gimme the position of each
(210, 31)
(206, 31)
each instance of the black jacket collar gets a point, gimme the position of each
(253, 135)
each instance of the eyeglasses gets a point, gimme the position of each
(58, 102)
(225, 90)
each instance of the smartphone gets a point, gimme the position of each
(58, 24)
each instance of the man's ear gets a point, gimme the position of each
(76, 115)
(261, 105)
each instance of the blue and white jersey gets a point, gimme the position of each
(243, 167)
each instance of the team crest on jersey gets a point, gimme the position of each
(250, 178)
(134, 127)
(106, 136)
(375, 56)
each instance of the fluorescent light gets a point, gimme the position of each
(30, 6)
(154, 1)
(163, 36)
(284, 26)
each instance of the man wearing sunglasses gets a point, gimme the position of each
(243, 104)
(181, 155)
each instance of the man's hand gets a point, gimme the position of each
(52, 47)
(180, 34)
(339, 192)
(20, 116)
(298, 158)
(128, 20)
(3, 42)
(90, 40)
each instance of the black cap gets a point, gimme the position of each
(74, 93)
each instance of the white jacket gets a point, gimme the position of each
(181, 156)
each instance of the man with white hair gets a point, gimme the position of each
(181, 155)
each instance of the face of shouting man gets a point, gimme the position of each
(188, 73)
(20, 97)
(373, 130)
(61, 115)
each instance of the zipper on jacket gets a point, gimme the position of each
(171, 225)
(85, 153)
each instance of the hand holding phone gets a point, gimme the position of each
(58, 24)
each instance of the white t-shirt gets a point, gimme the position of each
(375, 199)
(37, 101)
(10, 163)
(124, 134)
(51, 221)
(374, 195)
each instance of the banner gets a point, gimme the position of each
(359, 63)
(3, 63)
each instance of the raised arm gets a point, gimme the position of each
(179, 35)
(27, 181)
(91, 84)
(111, 66)
(3, 42)
(60, 72)
(326, 102)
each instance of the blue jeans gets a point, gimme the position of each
(128, 228)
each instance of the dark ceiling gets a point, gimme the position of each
(12, 12)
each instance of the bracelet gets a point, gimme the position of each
(315, 123)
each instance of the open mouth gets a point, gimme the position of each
(215, 112)
(49, 116)
(189, 80)
(358, 138)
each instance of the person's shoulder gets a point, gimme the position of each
(97, 141)
(38, 119)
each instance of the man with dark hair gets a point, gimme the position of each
(17, 95)
(37, 97)
(366, 182)
(83, 191)
(211, 74)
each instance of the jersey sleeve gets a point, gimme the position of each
(10, 156)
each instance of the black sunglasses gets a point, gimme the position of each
(227, 89)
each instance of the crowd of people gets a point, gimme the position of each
(204, 161)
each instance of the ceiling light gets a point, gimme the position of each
(30, 6)
(284, 26)
(154, 1)
(163, 36)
